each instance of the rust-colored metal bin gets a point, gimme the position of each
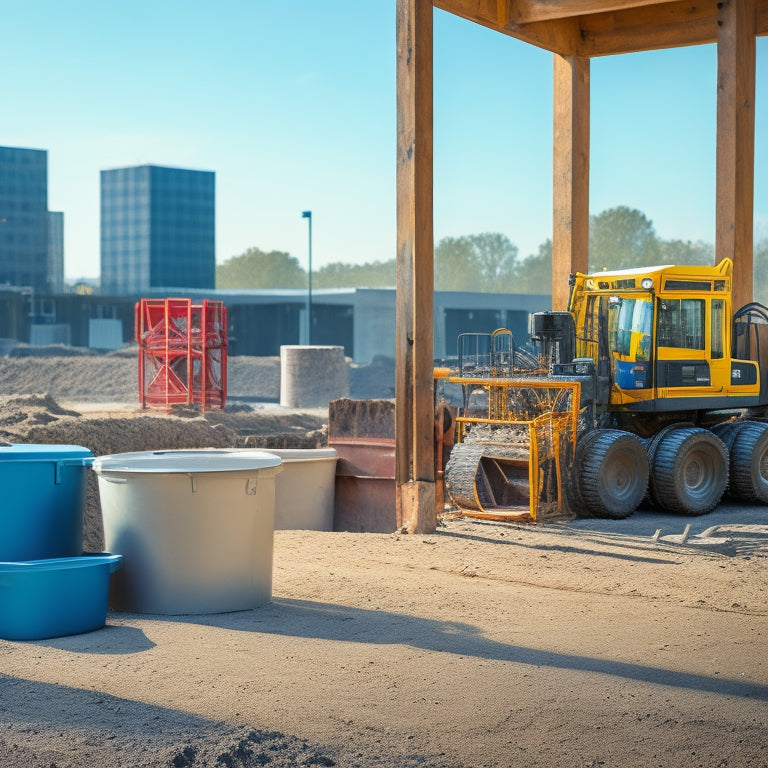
(365, 485)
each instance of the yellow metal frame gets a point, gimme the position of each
(499, 414)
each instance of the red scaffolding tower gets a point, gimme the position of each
(182, 352)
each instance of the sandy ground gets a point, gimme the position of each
(587, 643)
(484, 644)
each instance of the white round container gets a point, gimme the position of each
(194, 527)
(305, 489)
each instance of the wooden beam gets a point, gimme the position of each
(414, 403)
(570, 230)
(562, 36)
(668, 25)
(554, 35)
(761, 20)
(485, 12)
(601, 27)
(527, 11)
(736, 143)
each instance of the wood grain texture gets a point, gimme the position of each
(570, 162)
(414, 410)
(736, 143)
(601, 27)
(526, 11)
(651, 27)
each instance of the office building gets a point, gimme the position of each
(26, 260)
(157, 230)
(55, 252)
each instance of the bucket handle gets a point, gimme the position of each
(116, 479)
(250, 486)
(83, 461)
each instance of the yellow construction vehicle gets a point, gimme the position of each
(648, 388)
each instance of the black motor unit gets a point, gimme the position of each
(554, 333)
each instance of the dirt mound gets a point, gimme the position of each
(114, 377)
(90, 379)
(21, 413)
(375, 380)
(52, 350)
(361, 418)
(40, 419)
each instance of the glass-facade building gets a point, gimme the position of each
(157, 229)
(24, 218)
(55, 251)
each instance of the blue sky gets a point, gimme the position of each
(293, 106)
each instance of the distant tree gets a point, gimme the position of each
(377, 274)
(497, 257)
(257, 269)
(535, 272)
(686, 252)
(454, 264)
(485, 262)
(620, 238)
(760, 264)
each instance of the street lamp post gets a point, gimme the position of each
(308, 215)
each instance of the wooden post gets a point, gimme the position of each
(736, 142)
(414, 405)
(570, 162)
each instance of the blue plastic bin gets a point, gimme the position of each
(56, 597)
(43, 500)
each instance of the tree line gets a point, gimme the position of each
(619, 238)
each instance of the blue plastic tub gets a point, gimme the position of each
(43, 500)
(56, 597)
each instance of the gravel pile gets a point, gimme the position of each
(114, 377)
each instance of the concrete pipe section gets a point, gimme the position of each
(310, 377)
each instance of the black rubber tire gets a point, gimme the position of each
(651, 446)
(573, 492)
(613, 474)
(728, 430)
(689, 473)
(749, 463)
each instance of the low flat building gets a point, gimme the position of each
(362, 320)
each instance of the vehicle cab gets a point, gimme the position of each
(662, 338)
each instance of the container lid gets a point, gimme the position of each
(34, 452)
(63, 563)
(186, 461)
(304, 454)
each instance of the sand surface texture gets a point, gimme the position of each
(588, 643)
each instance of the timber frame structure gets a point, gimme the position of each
(575, 31)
